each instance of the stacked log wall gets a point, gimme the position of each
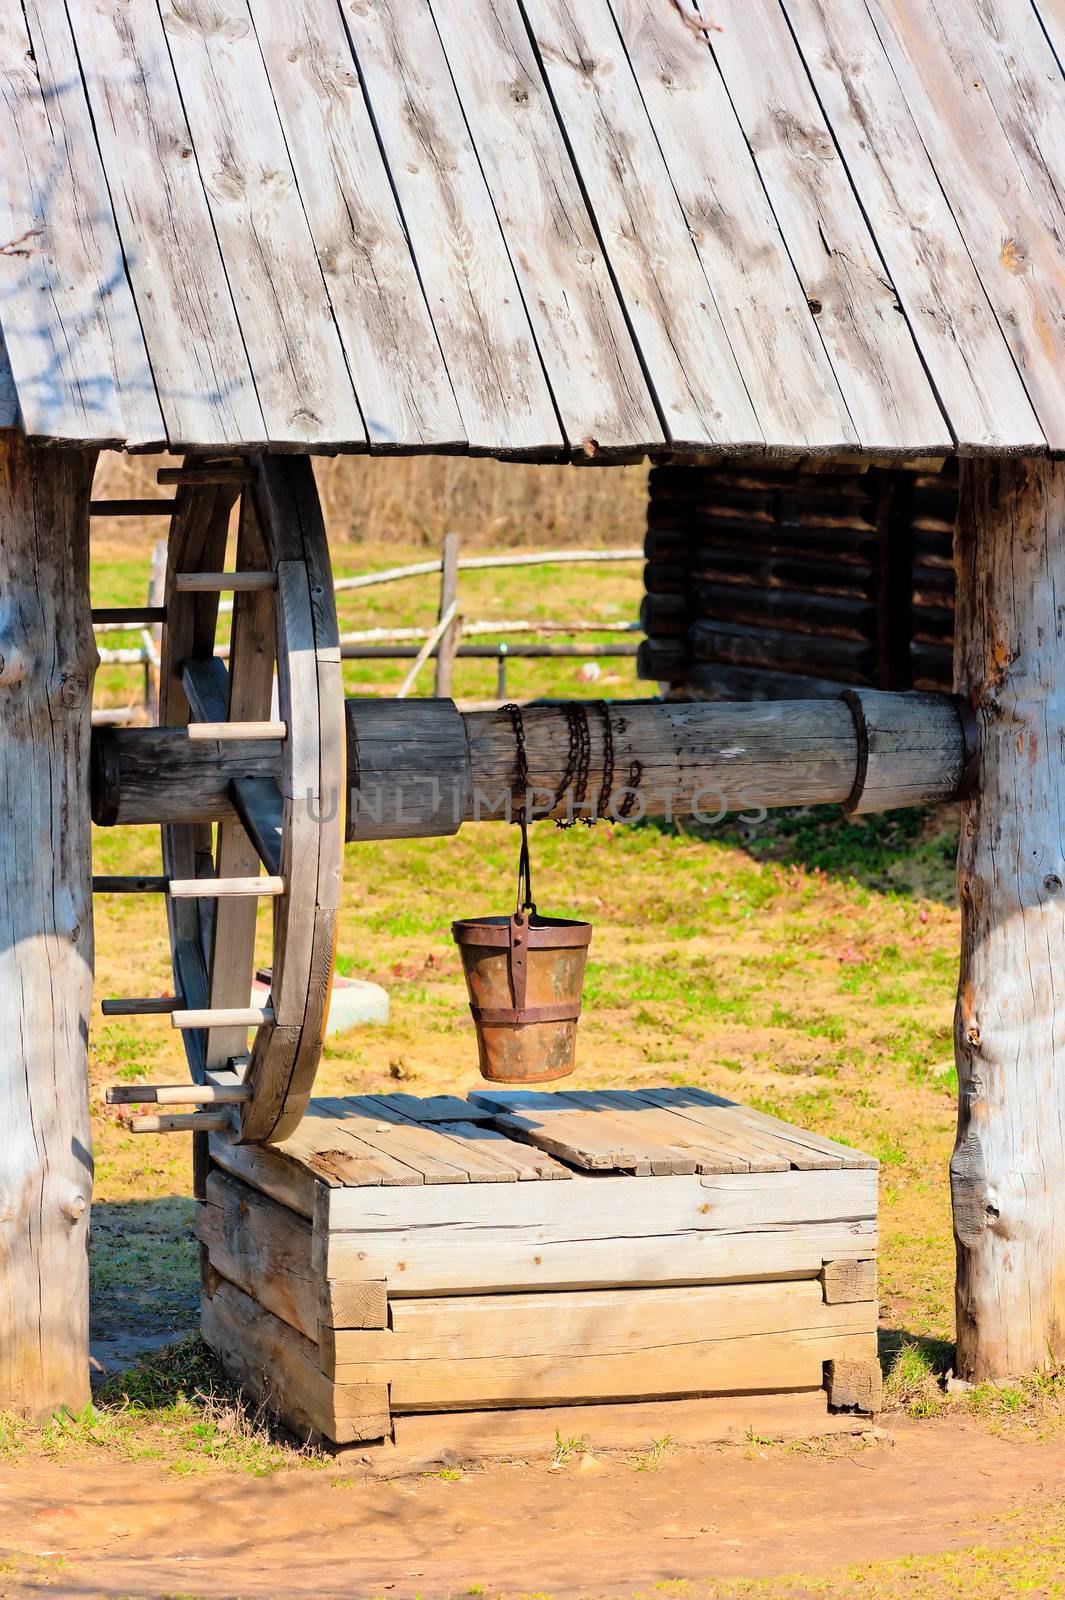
(763, 584)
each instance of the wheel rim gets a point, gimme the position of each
(295, 826)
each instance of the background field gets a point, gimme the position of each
(806, 966)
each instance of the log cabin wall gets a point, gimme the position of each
(763, 584)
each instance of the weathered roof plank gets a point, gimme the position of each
(915, 228)
(535, 228)
(769, 323)
(473, 295)
(875, 359)
(1017, 252)
(580, 328)
(285, 317)
(186, 310)
(392, 349)
(58, 252)
(677, 324)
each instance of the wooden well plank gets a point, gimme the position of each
(432, 1108)
(775, 337)
(716, 1113)
(280, 1367)
(714, 1144)
(580, 328)
(438, 1158)
(671, 308)
(1010, 216)
(285, 315)
(733, 1200)
(915, 228)
(262, 1247)
(384, 323)
(52, 322)
(600, 1322)
(597, 1140)
(199, 362)
(350, 1160)
(473, 296)
(876, 362)
(466, 1351)
(418, 1259)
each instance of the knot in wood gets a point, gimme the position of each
(72, 690)
(73, 1205)
(972, 1036)
(1052, 883)
(12, 665)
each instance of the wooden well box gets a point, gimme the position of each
(615, 1265)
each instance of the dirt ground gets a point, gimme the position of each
(703, 1522)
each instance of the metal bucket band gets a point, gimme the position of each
(515, 1016)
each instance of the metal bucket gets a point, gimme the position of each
(524, 975)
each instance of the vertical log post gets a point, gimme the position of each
(1008, 1167)
(47, 663)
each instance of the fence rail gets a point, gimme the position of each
(390, 644)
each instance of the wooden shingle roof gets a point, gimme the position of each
(535, 227)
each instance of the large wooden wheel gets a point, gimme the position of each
(283, 621)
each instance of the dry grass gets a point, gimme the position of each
(417, 499)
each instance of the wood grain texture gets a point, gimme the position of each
(773, 332)
(915, 227)
(470, 1351)
(399, 373)
(672, 310)
(473, 295)
(199, 362)
(47, 662)
(876, 363)
(262, 1247)
(75, 344)
(280, 1367)
(286, 320)
(960, 93)
(580, 328)
(1008, 1167)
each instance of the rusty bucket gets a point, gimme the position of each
(524, 974)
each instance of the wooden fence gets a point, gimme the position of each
(441, 642)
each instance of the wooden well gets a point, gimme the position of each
(425, 1275)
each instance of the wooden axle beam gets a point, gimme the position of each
(422, 768)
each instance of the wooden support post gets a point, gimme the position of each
(47, 662)
(1008, 1167)
(449, 642)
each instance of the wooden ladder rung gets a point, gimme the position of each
(223, 888)
(115, 884)
(237, 732)
(183, 1122)
(131, 508)
(215, 582)
(177, 1094)
(139, 614)
(220, 1017)
(187, 888)
(155, 1006)
(205, 476)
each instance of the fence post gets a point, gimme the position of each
(449, 642)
